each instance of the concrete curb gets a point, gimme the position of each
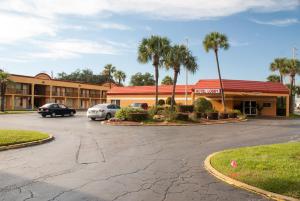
(214, 172)
(27, 144)
(191, 124)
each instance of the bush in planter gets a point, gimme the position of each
(168, 101)
(202, 105)
(185, 108)
(234, 114)
(182, 116)
(212, 114)
(223, 115)
(161, 102)
(137, 116)
(124, 113)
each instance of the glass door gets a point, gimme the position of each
(249, 108)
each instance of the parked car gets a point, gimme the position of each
(54, 109)
(102, 111)
(143, 106)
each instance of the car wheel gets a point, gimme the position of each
(53, 114)
(108, 116)
(71, 113)
(43, 115)
(94, 119)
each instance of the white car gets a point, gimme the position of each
(102, 111)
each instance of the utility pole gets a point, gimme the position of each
(186, 76)
(294, 50)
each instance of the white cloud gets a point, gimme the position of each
(279, 23)
(115, 26)
(72, 48)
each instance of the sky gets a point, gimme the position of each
(65, 35)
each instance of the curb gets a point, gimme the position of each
(27, 144)
(191, 124)
(242, 185)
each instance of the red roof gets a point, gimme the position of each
(243, 86)
(229, 86)
(164, 89)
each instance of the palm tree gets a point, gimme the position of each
(4, 80)
(154, 49)
(179, 56)
(215, 41)
(273, 78)
(108, 71)
(120, 76)
(279, 64)
(293, 69)
(167, 80)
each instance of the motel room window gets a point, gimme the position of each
(267, 105)
(116, 102)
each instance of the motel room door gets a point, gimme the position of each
(249, 108)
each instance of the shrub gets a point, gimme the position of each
(168, 114)
(161, 102)
(168, 101)
(124, 113)
(223, 115)
(185, 108)
(152, 111)
(202, 105)
(138, 116)
(182, 116)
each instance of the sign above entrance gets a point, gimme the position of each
(207, 91)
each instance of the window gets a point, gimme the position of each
(62, 106)
(54, 106)
(116, 102)
(267, 105)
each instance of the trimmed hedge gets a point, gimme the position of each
(185, 108)
(140, 116)
(202, 105)
(223, 115)
(182, 116)
(161, 102)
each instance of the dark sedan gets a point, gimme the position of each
(54, 109)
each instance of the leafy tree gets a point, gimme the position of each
(273, 78)
(120, 76)
(154, 49)
(140, 79)
(179, 56)
(280, 65)
(293, 69)
(167, 81)
(4, 80)
(85, 75)
(108, 72)
(161, 102)
(215, 41)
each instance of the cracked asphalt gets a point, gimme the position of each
(91, 161)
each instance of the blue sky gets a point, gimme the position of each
(63, 35)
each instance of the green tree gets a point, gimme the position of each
(293, 69)
(215, 41)
(167, 81)
(179, 56)
(154, 49)
(108, 72)
(273, 78)
(85, 75)
(140, 79)
(4, 80)
(280, 65)
(120, 76)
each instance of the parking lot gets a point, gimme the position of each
(91, 161)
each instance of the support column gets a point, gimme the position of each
(32, 96)
(78, 99)
(51, 94)
(13, 102)
(287, 106)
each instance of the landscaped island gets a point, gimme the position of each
(13, 137)
(275, 168)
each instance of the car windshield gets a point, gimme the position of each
(101, 106)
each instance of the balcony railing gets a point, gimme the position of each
(18, 91)
(71, 94)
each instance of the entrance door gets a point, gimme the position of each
(249, 108)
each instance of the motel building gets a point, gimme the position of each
(253, 98)
(28, 93)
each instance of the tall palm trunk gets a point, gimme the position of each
(281, 98)
(291, 94)
(220, 80)
(156, 74)
(174, 89)
(3, 91)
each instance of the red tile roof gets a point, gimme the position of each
(163, 89)
(243, 86)
(229, 86)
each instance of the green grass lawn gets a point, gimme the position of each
(275, 168)
(9, 137)
(17, 112)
